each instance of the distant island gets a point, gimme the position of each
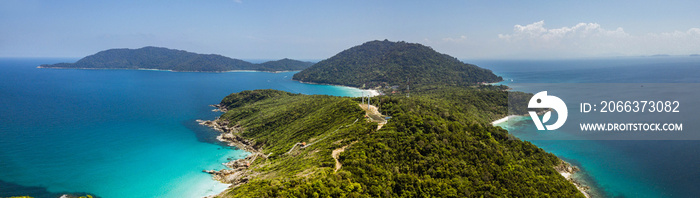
(386, 63)
(174, 60)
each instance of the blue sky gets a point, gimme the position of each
(258, 29)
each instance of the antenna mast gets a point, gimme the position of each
(363, 97)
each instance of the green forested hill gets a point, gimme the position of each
(386, 63)
(438, 143)
(284, 65)
(175, 60)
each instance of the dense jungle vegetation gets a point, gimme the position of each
(386, 63)
(175, 60)
(437, 143)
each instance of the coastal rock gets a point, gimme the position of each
(219, 107)
(238, 173)
(235, 177)
(230, 134)
(567, 170)
(221, 126)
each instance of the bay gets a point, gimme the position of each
(118, 133)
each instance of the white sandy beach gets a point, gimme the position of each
(502, 120)
(371, 92)
(356, 92)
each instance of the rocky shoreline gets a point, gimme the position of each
(567, 170)
(564, 168)
(238, 172)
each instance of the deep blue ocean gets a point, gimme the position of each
(132, 133)
(118, 133)
(616, 168)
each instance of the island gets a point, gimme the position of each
(386, 63)
(159, 58)
(437, 142)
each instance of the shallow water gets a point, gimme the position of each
(118, 133)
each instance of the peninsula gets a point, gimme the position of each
(439, 142)
(174, 60)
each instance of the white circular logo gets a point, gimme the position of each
(542, 100)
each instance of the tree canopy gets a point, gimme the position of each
(386, 63)
(438, 143)
(175, 60)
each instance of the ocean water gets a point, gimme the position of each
(130, 133)
(118, 133)
(616, 168)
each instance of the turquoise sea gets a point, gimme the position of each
(617, 168)
(118, 133)
(132, 133)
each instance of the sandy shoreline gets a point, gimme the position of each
(502, 120)
(372, 92)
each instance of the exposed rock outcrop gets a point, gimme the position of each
(567, 170)
(238, 172)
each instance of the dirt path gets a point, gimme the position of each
(374, 115)
(335, 155)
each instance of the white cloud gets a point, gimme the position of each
(455, 40)
(581, 30)
(591, 39)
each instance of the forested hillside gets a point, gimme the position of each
(386, 63)
(284, 65)
(438, 142)
(175, 60)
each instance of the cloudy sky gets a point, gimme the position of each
(256, 29)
